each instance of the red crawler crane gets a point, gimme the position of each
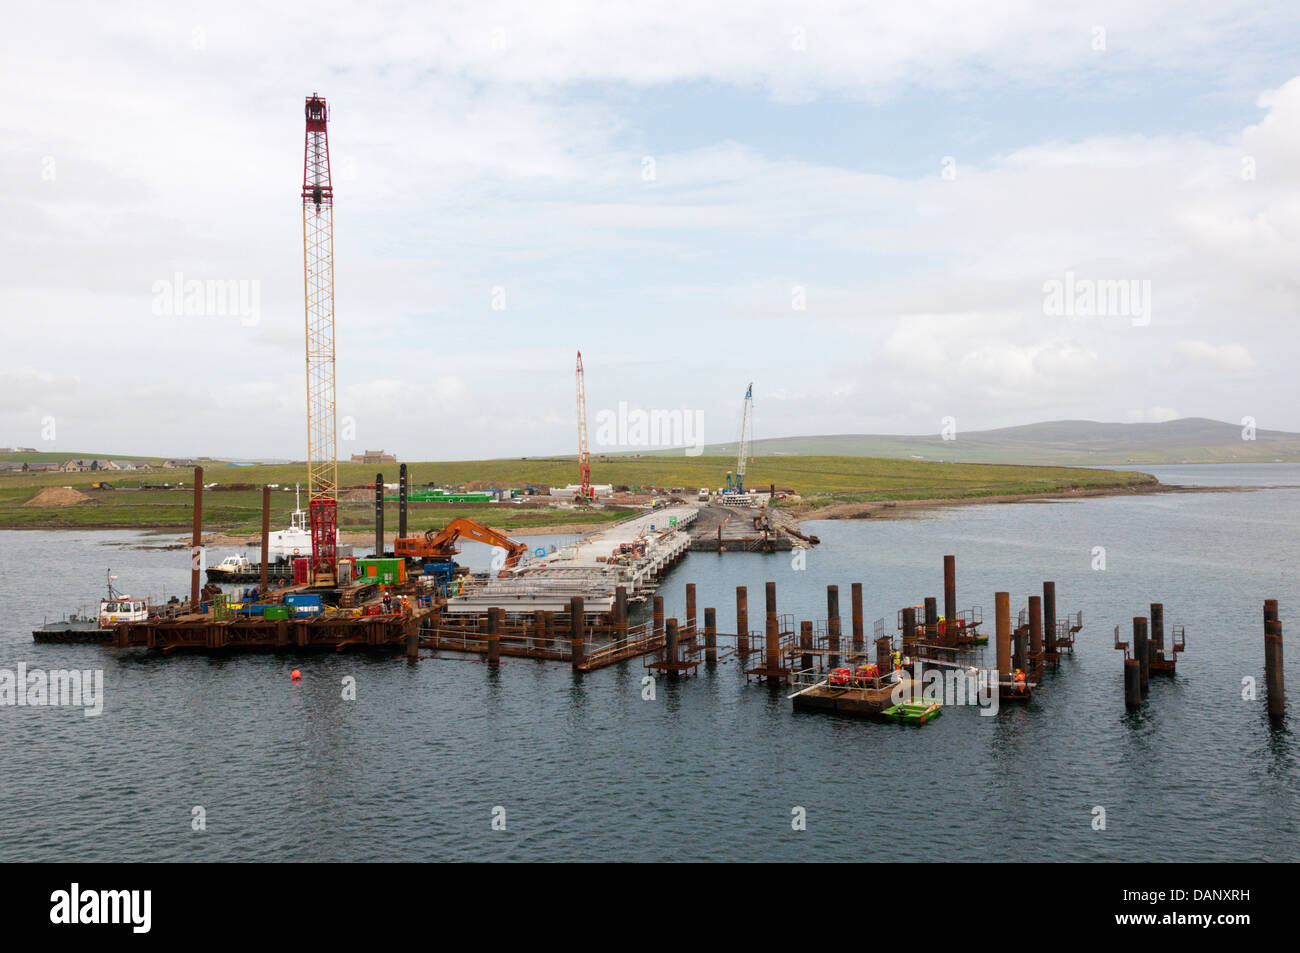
(318, 296)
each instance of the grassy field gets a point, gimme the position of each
(819, 480)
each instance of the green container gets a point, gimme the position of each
(441, 496)
(276, 612)
(384, 572)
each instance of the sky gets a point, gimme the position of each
(891, 218)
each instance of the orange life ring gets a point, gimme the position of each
(296, 551)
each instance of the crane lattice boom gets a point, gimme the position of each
(584, 457)
(318, 296)
(745, 416)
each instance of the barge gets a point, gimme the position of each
(75, 628)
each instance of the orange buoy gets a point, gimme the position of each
(295, 675)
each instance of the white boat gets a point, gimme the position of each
(116, 607)
(232, 565)
(287, 544)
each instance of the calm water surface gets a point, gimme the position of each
(712, 768)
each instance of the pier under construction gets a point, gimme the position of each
(631, 556)
(571, 605)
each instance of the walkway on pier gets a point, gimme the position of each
(593, 568)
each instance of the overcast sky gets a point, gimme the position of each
(859, 207)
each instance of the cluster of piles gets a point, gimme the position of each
(1149, 653)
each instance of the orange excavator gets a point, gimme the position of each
(441, 544)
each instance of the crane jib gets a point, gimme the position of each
(318, 293)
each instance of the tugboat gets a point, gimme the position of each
(113, 608)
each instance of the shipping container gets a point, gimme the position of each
(442, 496)
(381, 571)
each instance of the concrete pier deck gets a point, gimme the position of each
(592, 568)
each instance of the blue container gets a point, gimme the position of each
(441, 571)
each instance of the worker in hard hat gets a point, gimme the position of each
(1019, 681)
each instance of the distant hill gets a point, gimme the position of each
(62, 456)
(1055, 443)
(1067, 443)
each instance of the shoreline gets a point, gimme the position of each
(874, 509)
(915, 509)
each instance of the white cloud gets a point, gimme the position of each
(461, 167)
(1223, 357)
(1153, 415)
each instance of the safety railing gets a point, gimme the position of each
(815, 677)
(920, 615)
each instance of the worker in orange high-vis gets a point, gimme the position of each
(1019, 681)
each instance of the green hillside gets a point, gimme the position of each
(819, 480)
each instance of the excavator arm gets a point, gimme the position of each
(442, 543)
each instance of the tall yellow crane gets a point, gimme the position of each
(318, 296)
(585, 492)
